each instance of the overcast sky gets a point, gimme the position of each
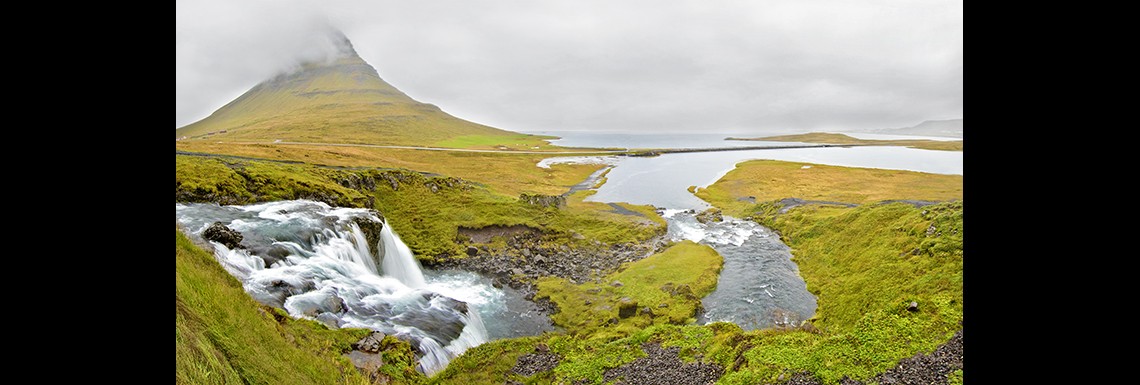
(615, 65)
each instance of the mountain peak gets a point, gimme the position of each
(335, 97)
(341, 43)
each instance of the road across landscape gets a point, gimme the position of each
(632, 152)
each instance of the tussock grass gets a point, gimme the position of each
(233, 181)
(770, 180)
(222, 336)
(872, 257)
(523, 142)
(509, 174)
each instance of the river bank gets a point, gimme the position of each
(734, 350)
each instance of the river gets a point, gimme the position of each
(759, 285)
(313, 261)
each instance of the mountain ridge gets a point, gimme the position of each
(945, 127)
(340, 99)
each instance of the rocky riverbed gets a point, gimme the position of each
(524, 259)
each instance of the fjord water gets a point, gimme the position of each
(759, 285)
(632, 140)
(313, 261)
(663, 181)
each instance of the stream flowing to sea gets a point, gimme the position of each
(759, 284)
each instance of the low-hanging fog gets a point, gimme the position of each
(642, 66)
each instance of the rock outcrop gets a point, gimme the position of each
(218, 232)
(541, 200)
(710, 215)
(525, 258)
(371, 230)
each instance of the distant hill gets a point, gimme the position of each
(949, 128)
(339, 100)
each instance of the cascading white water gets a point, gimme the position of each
(314, 261)
(759, 285)
(399, 262)
(362, 252)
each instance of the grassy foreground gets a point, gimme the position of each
(865, 265)
(223, 336)
(830, 138)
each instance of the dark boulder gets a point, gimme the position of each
(372, 230)
(627, 307)
(218, 232)
(371, 343)
(710, 215)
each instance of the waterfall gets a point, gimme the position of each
(314, 261)
(349, 246)
(363, 256)
(439, 356)
(398, 260)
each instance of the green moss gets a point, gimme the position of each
(875, 344)
(491, 363)
(867, 258)
(669, 285)
(587, 360)
(235, 181)
(955, 378)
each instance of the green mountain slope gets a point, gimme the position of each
(341, 100)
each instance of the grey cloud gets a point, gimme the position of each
(729, 66)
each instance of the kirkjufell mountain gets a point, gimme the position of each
(341, 99)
